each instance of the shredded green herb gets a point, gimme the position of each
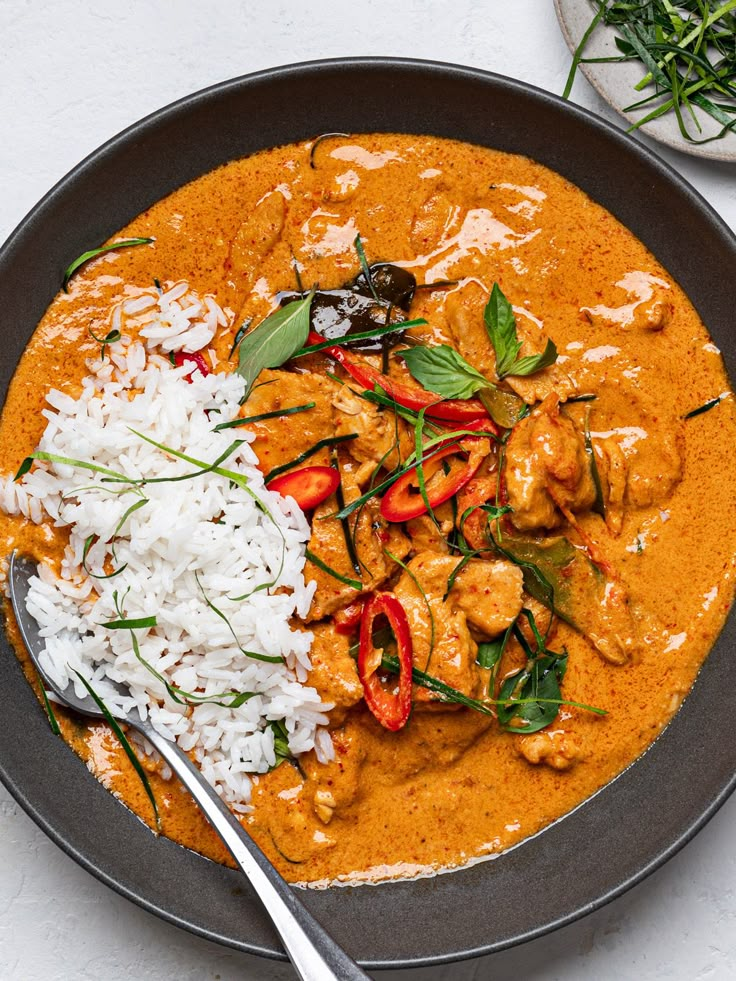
(315, 448)
(346, 580)
(112, 338)
(86, 257)
(124, 742)
(68, 461)
(240, 334)
(275, 414)
(280, 743)
(139, 623)
(599, 504)
(348, 534)
(688, 51)
(53, 721)
(706, 407)
(366, 269)
(321, 139)
(588, 397)
(88, 543)
(448, 693)
(364, 335)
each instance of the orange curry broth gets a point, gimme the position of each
(451, 786)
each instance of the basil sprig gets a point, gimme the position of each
(274, 340)
(442, 370)
(501, 326)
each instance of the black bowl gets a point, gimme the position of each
(616, 837)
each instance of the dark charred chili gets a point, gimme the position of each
(354, 309)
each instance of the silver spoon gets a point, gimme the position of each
(313, 952)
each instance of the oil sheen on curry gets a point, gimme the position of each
(522, 536)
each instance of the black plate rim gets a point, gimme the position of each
(371, 64)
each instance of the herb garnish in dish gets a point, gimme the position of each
(388, 477)
(687, 52)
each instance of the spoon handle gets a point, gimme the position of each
(312, 951)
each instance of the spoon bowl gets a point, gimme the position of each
(312, 951)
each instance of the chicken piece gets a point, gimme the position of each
(655, 468)
(649, 304)
(481, 489)
(373, 539)
(610, 626)
(656, 312)
(255, 238)
(556, 748)
(650, 460)
(334, 672)
(452, 656)
(441, 639)
(432, 222)
(536, 387)
(378, 434)
(546, 468)
(612, 470)
(464, 312)
(425, 535)
(336, 784)
(489, 593)
(275, 442)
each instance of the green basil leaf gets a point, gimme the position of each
(442, 370)
(274, 340)
(535, 362)
(501, 326)
(532, 697)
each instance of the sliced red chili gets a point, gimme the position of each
(403, 500)
(409, 396)
(181, 357)
(485, 428)
(390, 706)
(309, 486)
(347, 619)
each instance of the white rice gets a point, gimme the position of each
(189, 551)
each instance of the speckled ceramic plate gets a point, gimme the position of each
(615, 83)
(615, 838)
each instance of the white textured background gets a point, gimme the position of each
(73, 74)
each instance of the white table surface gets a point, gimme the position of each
(72, 74)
